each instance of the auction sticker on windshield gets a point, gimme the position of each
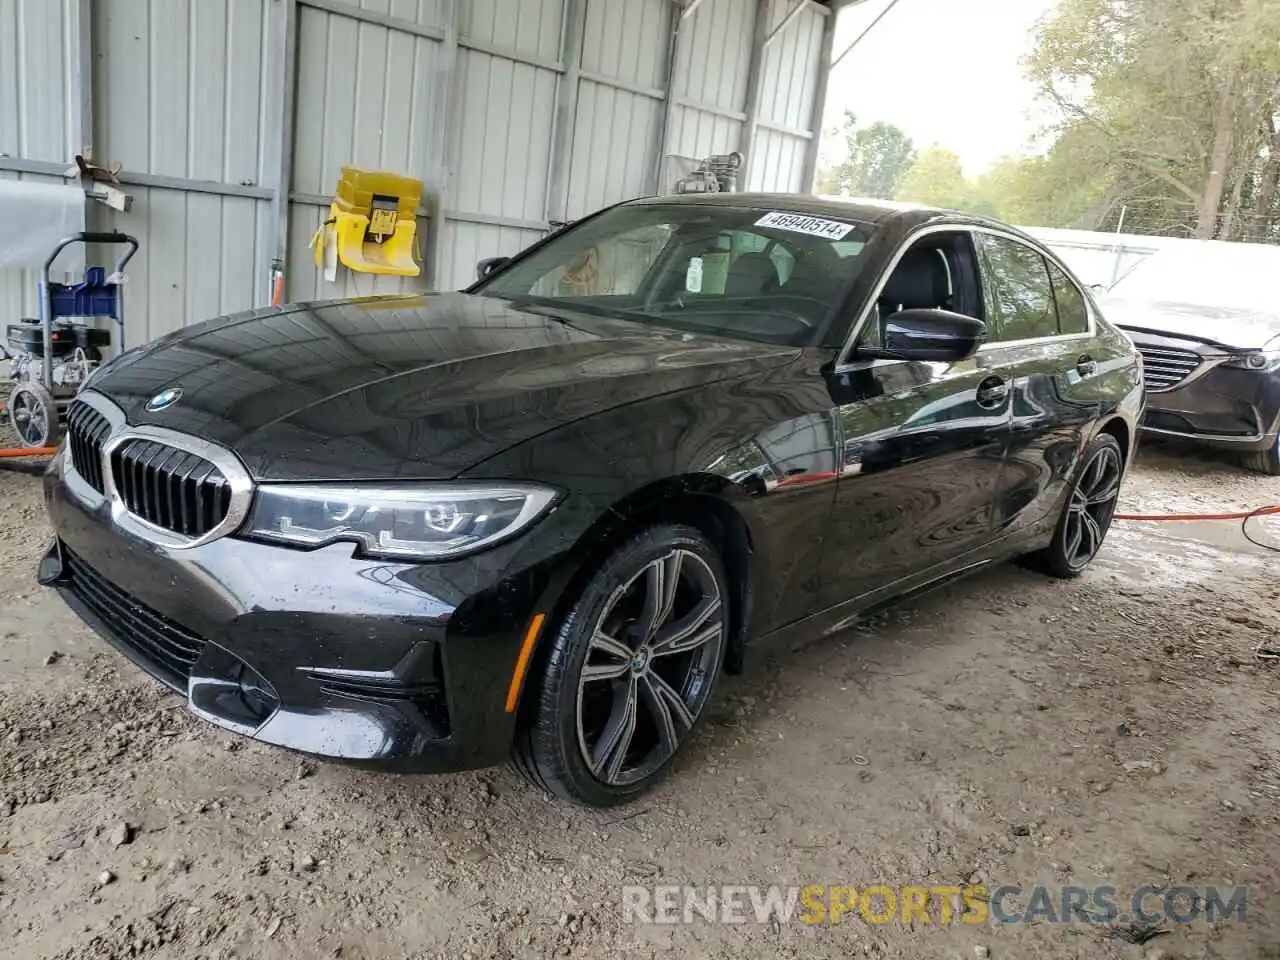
(798, 223)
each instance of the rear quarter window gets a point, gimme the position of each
(1073, 312)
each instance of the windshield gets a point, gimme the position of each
(1235, 275)
(770, 276)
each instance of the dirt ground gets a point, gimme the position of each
(1118, 729)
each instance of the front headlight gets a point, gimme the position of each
(396, 521)
(1257, 360)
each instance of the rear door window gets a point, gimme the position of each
(1018, 291)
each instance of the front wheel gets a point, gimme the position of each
(1087, 515)
(1268, 461)
(629, 670)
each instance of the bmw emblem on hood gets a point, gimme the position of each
(164, 399)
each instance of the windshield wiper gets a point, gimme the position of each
(552, 310)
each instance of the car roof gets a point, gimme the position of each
(862, 209)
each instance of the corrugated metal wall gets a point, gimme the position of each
(178, 96)
(35, 98)
(710, 80)
(789, 83)
(501, 151)
(515, 113)
(362, 98)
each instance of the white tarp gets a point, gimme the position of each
(34, 216)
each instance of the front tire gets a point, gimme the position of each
(629, 670)
(1268, 461)
(1087, 514)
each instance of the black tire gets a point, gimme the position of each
(675, 650)
(1087, 512)
(1267, 462)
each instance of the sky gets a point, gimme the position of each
(948, 72)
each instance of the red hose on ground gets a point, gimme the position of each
(1242, 515)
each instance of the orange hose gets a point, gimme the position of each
(1243, 515)
(28, 452)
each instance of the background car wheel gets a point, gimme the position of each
(1267, 462)
(628, 671)
(1086, 518)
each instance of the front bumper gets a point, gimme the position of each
(1226, 407)
(399, 666)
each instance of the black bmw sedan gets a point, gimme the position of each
(543, 516)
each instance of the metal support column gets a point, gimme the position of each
(755, 67)
(447, 123)
(819, 105)
(79, 132)
(572, 28)
(678, 12)
(284, 83)
(80, 63)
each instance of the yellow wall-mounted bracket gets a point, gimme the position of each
(373, 223)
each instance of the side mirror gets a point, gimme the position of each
(489, 266)
(930, 336)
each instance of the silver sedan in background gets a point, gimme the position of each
(1206, 319)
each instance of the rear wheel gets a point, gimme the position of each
(628, 671)
(1086, 518)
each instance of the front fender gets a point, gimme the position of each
(764, 445)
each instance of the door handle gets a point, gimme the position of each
(992, 392)
(1086, 366)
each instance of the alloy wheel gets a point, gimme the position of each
(1093, 503)
(649, 667)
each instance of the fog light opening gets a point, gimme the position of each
(255, 693)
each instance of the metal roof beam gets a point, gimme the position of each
(789, 19)
(860, 37)
(690, 9)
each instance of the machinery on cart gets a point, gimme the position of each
(51, 357)
(716, 174)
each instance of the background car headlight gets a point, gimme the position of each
(401, 521)
(1257, 360)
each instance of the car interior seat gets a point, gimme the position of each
(921, 280)
(752, 275)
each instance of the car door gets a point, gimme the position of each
(922, 443)
(1040, 337)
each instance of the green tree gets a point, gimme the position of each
(877, 157)
(936, 179)
(1176, 102)
(1061, 188)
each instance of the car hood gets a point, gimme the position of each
(421, 387)
(1231, 328)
